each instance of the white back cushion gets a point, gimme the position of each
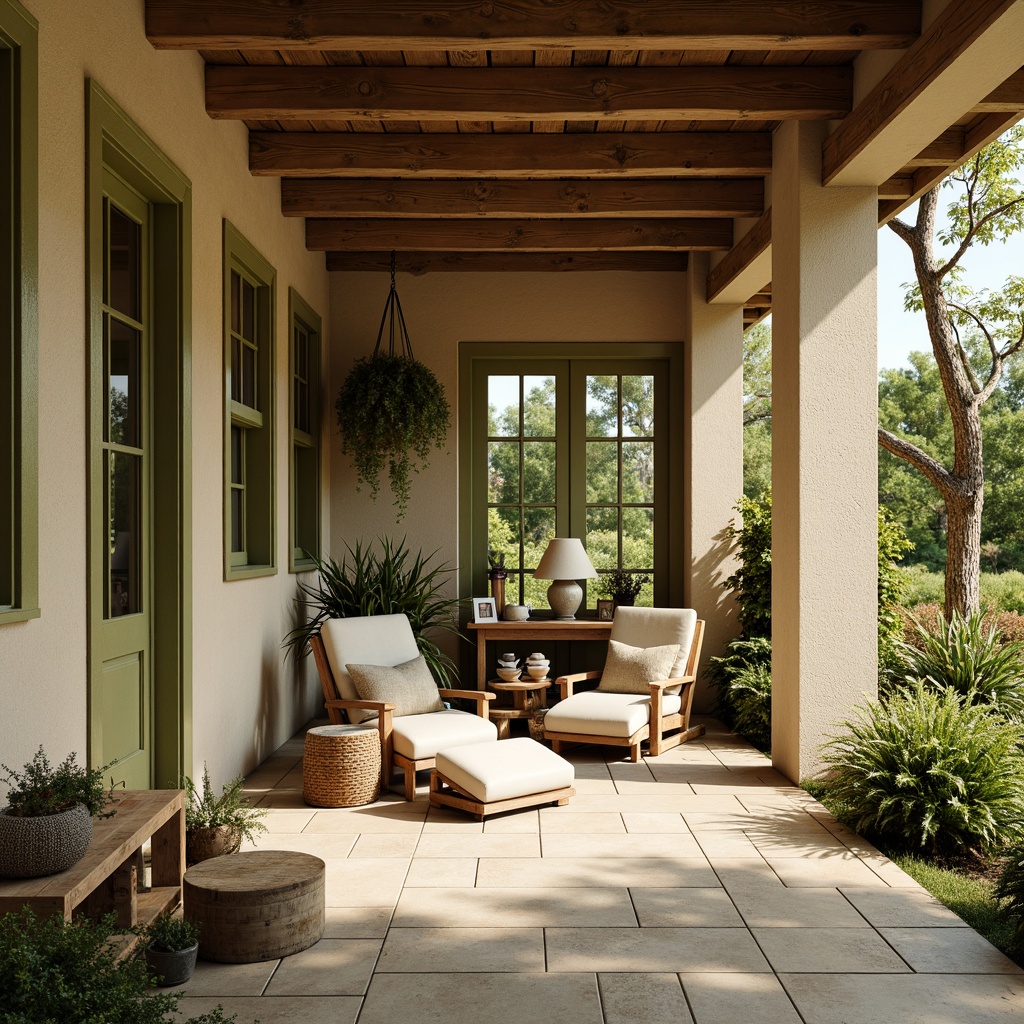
(366, 640)
(655, 627)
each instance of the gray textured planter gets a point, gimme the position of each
(33, 847)
(173, 968)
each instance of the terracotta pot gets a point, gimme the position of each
(203, 843)
(33, 847)
(173, 968)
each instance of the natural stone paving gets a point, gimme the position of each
(700, 887)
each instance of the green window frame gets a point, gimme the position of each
(249, 396)
(19, 332)
(304, 406)
(571, 401)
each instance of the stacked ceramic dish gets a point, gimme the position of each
(508, 667)
(537, 666)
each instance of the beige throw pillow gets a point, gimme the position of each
(410, 686)
(631, 669)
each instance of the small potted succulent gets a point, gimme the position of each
(623, 585)
(46, 826)
(216, 825)
(171, 947)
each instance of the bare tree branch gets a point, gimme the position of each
(931, 468)
(903, 229)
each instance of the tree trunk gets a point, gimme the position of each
(963, 553)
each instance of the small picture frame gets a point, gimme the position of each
(484, 609)
(605, 609)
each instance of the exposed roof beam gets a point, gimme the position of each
(654, 197)
(425, 262)
(970, 49)
(583, 154)
(565, 24)
(361, 235)
(746, 268)
(1007, 98)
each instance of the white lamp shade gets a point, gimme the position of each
(565, 559)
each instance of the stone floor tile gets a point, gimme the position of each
(839, 870)
(357, 922)
(379, 844)
(738, 999)
(735, 820)
(327, 847)
(483, 845)
(278, 1009)
(449, 821)
(441, 872)
(685, 908)
(740, 873)
(643, 999)
(594, 872)
(902, 908)
(725, 845)
(652, 788)
(828, 951)
(557, 819)
(288, 820)
(482, 999)
(656, 822)
(514, 908)
(353, 824)
(945, 950)
(655, 801)
(594, 787)
(473, 950)
(282, 799)
(212, 979)
(628, 771)
(365, 882)
(914, 999)
(805, 844)
(654, 950)
(520, 821)
(331, 967)
(797, 908)
(625, 845)
(890, 873)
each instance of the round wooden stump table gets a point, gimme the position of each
(259, 905)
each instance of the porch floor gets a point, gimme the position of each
(696, 887)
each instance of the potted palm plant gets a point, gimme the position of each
(216, 825)
(171, 948)
(46, 826)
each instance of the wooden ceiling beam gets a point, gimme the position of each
(505, 262)
(746, 268)
(565, 24)
(289, 93)
(593, 154)
(654, 197)
(368, 234)
(1008, 98)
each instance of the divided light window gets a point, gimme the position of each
(249, 282)
(19, 597)
(304, 454)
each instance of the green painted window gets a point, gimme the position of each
(249, 283)
(582, 447)
(19, 589)
(304, 414)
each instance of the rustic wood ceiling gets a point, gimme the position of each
(538, 134)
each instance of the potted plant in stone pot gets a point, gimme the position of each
(171, 947)
(623, 585)
(216, 825)
(46, 826)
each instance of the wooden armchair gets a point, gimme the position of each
(660, 718)
(408, 742)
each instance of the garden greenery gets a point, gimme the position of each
(1011, 889)
(230, 809)
(39, 789)
(169, 934)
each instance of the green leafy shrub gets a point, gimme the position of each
(1009, 624)
(390, 581)
(968, 656)
(231, 809)
(751, 694)
(39, 789)
(752, 581)
(169, 934)
(892, 546)
(722, 672)
(922, 586)
(1003, 591)
(51, 971)
(927, 769)
(1010, 889)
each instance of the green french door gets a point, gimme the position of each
(121, 606)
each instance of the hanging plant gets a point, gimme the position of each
(391, 410)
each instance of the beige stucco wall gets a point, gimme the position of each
(442, 309)
(245, 699)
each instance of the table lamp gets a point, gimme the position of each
(565, 562)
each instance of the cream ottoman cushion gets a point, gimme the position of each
(595, 713)
(505, 769)
(422, 736)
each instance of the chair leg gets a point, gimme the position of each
(410, 782)
(556, 746)
(634, 753)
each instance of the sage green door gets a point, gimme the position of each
(120, 692)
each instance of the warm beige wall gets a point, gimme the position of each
(245, 699)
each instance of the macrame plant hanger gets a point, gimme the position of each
(393, 315)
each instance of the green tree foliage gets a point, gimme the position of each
(752, 581)
(757, 410)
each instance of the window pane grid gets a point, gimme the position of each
(244, 343)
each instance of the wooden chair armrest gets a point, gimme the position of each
(566, 683)
(664, 684)
(477, 695)
(366, 705)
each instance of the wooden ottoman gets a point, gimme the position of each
(253, 906)
(500, 775)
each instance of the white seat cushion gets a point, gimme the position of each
(506, 769)
(420, 736)
(595, 713)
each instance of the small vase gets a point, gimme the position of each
(173, 968)
(497, 578)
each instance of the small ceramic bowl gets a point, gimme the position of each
(536, 657)
(511, 656)
(537, 671)
(510, 675)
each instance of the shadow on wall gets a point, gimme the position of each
(265, 741)
(716, 605)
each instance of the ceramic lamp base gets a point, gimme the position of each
(564, 597)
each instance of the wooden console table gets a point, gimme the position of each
(532, 629)
(106, 879)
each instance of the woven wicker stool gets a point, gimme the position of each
(341, 766)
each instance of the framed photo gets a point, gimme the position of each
(484, 609)
(605, 609)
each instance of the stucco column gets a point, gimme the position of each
(713, 461)
(824, 449)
